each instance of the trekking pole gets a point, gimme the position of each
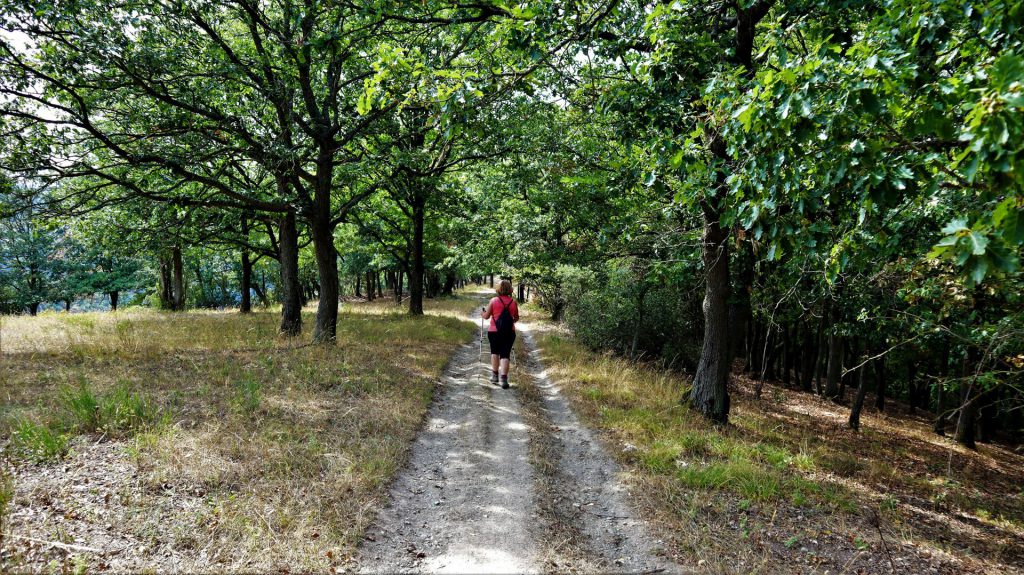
(480, 356)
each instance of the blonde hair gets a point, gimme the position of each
(505, 288)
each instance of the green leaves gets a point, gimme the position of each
(871, 103)
(744, 114)
(981, 249)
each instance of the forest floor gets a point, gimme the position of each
(786, 487)
(202, 441)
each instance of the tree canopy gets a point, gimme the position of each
(822, 190)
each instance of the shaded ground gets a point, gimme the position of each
(786, 487)
(507, 481)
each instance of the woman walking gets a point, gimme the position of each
(503, 313)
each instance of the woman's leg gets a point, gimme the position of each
(494, 362)
(506, 351)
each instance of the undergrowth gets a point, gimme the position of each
(641, 406)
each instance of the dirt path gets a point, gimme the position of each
(507, 481)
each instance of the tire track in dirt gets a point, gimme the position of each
(591, 526)
(464, 503)
(506, 481)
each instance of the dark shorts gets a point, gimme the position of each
(501, 343)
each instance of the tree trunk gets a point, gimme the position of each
(322, 231)
(755, 351)
(492, 280)
(762, 356)
(245, 305)
(260, 292)
(881, 385)
(820, 361)
(202, 299)
(787, 355)
(522, 293)
(114, 296)
(858, 400)
(771, 351)
(940, 417)
(835, 366)
(968, 415)
(881, 380)
(987, 423)
(419, 208)
(178, 281)
(33, 308)
(369, 286)
(740, 313)
(851, 351)
(940, 391)
(433, 284)
(449, 284)
(166, 291)
(808, 360)
(261, 289)
(968, 403)
(710, 395)
(291, 292)
(67, 305)
(399, 280)
(913, 395)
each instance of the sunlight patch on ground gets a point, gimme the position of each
(476, 560)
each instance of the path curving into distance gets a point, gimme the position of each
(507, 481)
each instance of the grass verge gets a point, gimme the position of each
(205, 441)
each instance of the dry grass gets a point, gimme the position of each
(262, 453)
(786, 488)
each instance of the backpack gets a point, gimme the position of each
(505, 323)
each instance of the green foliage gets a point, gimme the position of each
(247, 395)
(82, 407)
(627, 310)
(122, 411)
(863, 159)
(127, 412)
(38, 442)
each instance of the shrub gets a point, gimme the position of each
(618, 308)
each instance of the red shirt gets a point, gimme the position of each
(497, 305)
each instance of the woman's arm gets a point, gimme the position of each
(486, 312)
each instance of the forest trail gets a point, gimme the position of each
(507, 481)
